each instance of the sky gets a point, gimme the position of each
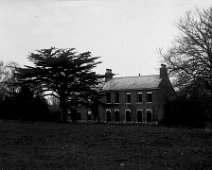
(125, 34)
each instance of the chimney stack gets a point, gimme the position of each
(163, 71)
(108, 75)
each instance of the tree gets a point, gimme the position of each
(62, 73)
(190, 57)
(3, 75)
(6, 76)
(185, 111)
(25, 105)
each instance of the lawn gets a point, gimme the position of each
(39, 145)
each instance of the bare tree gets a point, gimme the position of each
(190, 57)
(6, 76)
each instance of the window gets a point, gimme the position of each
(89, 115)
(149, 115)
(139, 97)
(128, 115)
(116, 97)
(108, 97)
(139, 116)
(117, 115)
(78, 116)
(128, 97)
(149, 96)
(108, 115)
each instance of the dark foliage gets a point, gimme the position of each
(66, 75)
(189, 111)
(25, 106)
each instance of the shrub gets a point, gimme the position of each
(185, 111)
(25, 106)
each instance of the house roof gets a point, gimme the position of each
(133, 83)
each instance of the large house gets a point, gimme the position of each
(138, 99)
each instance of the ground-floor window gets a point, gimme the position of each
(78, 116)
(128, 115)
(89, 117)
(139, 116)
(108, 115)
(149, 115)
(117, 116)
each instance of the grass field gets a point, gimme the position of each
(31, 145)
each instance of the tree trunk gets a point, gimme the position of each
(64, 110)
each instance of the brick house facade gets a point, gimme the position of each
(138, 99)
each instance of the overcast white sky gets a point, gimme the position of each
(125, 33)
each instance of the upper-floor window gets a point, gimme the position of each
(139, 97)
(108, 97)
(116, 97)
(149, 96)
(128, 97)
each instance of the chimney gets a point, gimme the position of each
(163, 71)
(108, 75)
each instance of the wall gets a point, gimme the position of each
(134, 106)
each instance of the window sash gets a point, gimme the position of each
(128, 97)
(116, 97)
(108, 97)
(149, 97)
(139, 97)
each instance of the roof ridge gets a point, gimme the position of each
(133, 82)
(136, 76)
